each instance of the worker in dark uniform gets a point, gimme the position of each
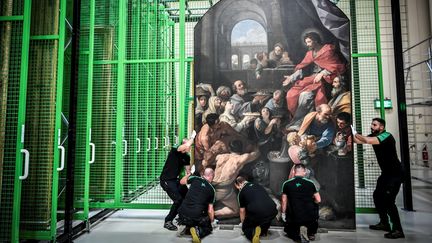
(257, 209)
(196, 211)
(299, 205)
(170, 181)
(390, 180)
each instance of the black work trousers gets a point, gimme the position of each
(203, 224)
(249, 225)
(293, 229)
(384, 196)
(177, 193)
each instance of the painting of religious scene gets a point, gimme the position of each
(272, 89)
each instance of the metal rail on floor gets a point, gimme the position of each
(84, 226)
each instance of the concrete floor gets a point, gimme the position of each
(130, 226)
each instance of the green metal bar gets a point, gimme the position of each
(148, 93)
(364, 54)
(182, 82)
(189, 18)
(120, 102)
(137, 32)
(187, 95)
(379, 59)
(356, 90)
(174, 60)
(105, 62)
(173, 120)
(89, 108)
(21, 121)
(103, 205)
(161, 88)
(171, 1)
(146, 138)
(153, 110)
(59, 106)
(44, 37)
(366, 210)
(80, 216)
(12, 18)
(40, 235)
(166, 70)
(157, 98)
(176, 9)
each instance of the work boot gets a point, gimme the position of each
(311, 237)
(181, 230)
(257, 234)
(195, 235)
(170, 226)
(395, 234)
(380, 226)
(303, 234)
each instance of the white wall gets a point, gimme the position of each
(416, 27)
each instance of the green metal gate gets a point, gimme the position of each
(32, 77)
(130, 78)
(14, 26)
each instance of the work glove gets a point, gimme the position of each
(283, 216)
(353, 130)
(214, 223)
(193, 135)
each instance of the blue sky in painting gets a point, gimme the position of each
(248, 31)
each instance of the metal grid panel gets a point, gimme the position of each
(189, 40)
(366, 169)
(81, 161)
(12, 8)
(103, 129)
(150, 88)
(40, 135)
(130, 166)
(65, 111)
(45, 17)
(147, 90)
(365, 82)
(106, 25)
(104, 95)
(193, 13)
(195, 9)
(155, 131)
(365, 36)
(9, 93)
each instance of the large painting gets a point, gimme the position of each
(273, 89)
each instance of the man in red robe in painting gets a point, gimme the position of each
(323, 61)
